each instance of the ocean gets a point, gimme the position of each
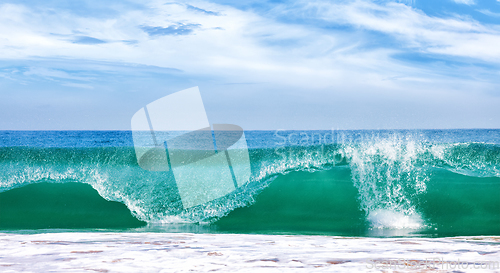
(347, 183)
(363, 184)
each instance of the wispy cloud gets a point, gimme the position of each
(202, 10)
(457, 36)
(79, 85)
(243, 40)
(465, 2)
(178, 29)
(49, 73)
(489, 12)
(86, 40)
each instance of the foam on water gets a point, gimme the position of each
(384, 218)
(185, 252)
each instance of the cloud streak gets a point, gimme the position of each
(489, 12)
(86, 40)
(465, 2)
(179, 29)
(202, 10)
(461, 37)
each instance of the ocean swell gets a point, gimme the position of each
(391, 174)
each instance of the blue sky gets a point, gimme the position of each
(90, 65)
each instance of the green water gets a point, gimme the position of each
(306, 203)
(68, 205)
(462, 205)
(327, 203)
(323, 202)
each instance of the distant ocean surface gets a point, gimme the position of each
(430, 183)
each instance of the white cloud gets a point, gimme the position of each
(79, 85)
(345, 68)
(460, 37)
(465, 2)
(53, 74)
(232, 45)
(489, 12)
(237, 45)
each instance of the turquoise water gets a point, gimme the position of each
(352, 183)
(65, 205)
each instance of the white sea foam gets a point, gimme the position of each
(394, 220)
(184, 252)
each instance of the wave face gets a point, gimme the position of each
(438, 182)
(61, 205)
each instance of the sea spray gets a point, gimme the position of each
(390, 178)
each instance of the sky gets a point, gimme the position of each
(263, 65)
